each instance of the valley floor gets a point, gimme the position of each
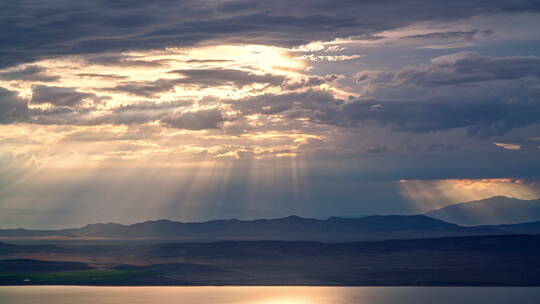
(456, 261)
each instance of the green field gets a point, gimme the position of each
(94, 277)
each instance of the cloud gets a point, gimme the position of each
(139, 113)
(12, 108)
(463, 68)
(482, 115)
(205, 61)
(311, 102)
(486, 95)
(447, 46)
(132, 114)
(200, 120)
(28, 73)
(124, 61)
(309, 81)
(469, 67)
(93, 136)
(452, 35)
(482, 119)
(144, 88)
(33, 31)
(60, 96)
(331, 57)
(218, 77)
(197, 77)
(508, 146)
(450, 39)
(104, 76)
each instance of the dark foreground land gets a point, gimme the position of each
(510, 260)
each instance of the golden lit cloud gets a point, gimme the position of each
(508, 146)
(130, 91)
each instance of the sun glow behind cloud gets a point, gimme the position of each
(113, 137)
(428, 195)
(155, 84)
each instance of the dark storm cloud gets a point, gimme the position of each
(28, 73)
(200, 120)
(12, 108)
(468, 67)
(60, 96)
(463, 68)
(486, 95)
(38, 29)
(482, 119)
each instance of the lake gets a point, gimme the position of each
(267, 295)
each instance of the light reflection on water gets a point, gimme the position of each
(267, 295)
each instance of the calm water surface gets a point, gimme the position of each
(266, 295)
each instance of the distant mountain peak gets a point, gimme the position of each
(160, 221)
(491, 211)
(500, 197)
(294, 217)
(101, 225)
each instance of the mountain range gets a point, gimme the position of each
(334, 229)
(291, 228)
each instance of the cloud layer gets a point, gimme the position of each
(263, 107)
(38, 30)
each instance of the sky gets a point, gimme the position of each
(125, 111)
